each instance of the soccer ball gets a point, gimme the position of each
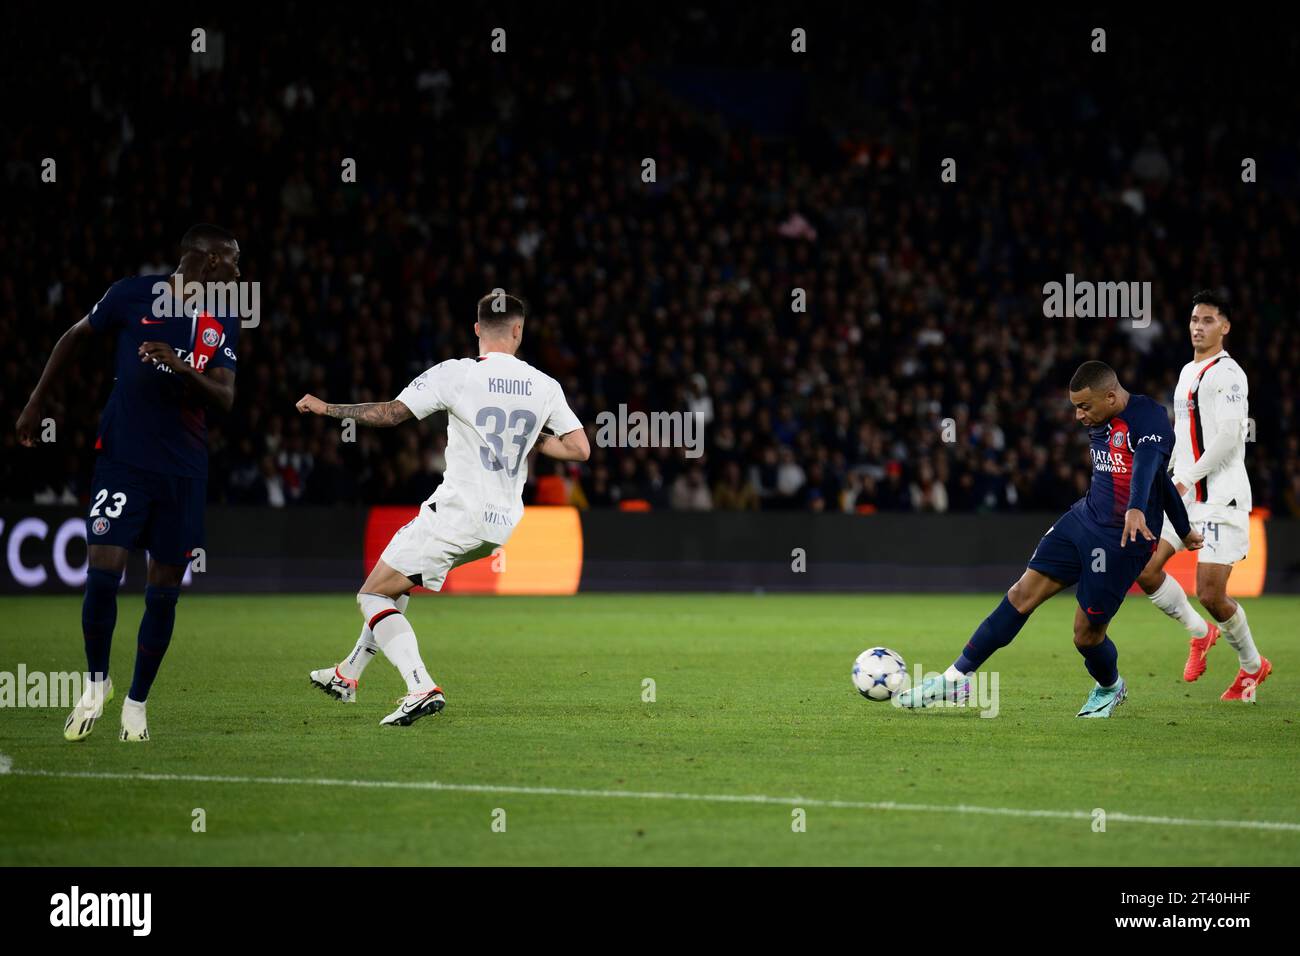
(880, 673)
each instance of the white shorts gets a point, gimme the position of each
(1226, 532)
(434, 542)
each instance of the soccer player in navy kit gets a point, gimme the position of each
(1103, 542)
(150, 480)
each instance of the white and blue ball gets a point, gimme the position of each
(879, 673)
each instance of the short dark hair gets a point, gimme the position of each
(204, 236)
(498, 307)
(1212, 298)
(1093, 374)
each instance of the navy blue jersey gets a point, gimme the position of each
(151, 421)
(1129, 457)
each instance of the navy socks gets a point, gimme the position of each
(997, 630)
(1000, 628)
(155, 635)
(98, 618)
(1102, 662)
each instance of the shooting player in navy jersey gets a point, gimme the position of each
(1103, 542)
(150, 480)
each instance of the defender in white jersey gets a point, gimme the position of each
(497, 407)
(1211, 407)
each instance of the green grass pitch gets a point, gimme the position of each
(752, 697)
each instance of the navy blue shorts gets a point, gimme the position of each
(1074, 551)
(133, 508)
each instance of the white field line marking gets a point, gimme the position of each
(434, 785)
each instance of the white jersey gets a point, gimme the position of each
(1211, 400)
(497, 406)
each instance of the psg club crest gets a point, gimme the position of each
(210, 337)
(99, 525)
(1117, 439)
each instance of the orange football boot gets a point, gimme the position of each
(1248, 682)
(1195, 666)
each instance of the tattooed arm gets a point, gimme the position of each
(376, 414)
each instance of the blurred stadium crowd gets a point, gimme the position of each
(774, 172)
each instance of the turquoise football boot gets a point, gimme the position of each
(935, 691)
(1103, 700)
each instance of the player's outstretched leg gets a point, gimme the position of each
(393, 634)
(1101, 657)
(1168, 595)
(341, 681)
(995, 631)
(1212, 592)
(98, 619)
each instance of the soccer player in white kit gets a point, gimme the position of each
(1209, 469)
(497, 406)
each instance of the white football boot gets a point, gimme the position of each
(335, 684)
(134, 726)
(88, 709)
(414, 706)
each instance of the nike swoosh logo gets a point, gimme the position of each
(144, 321)
(1091, 611)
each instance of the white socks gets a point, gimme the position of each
(396, 639)
(1171, 599)
(92, 697)
(352, 666)
(1237, 633)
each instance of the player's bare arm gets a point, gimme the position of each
(572, 446)
(65, 350)
(215, 388)
(374, 414)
